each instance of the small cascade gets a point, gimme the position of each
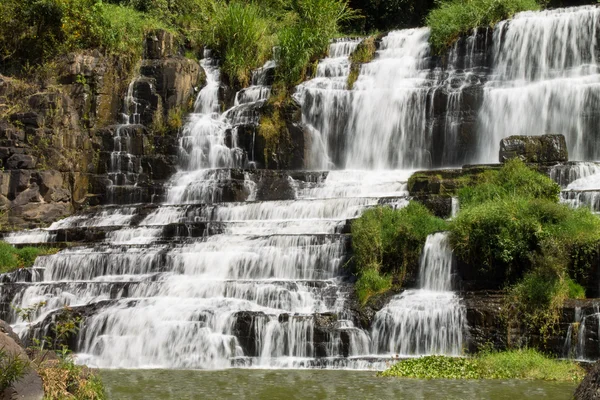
(124, 168)
(586, 326)
(580, 183)
(210, 140)
(429, 320)
(545, 80)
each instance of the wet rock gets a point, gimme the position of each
(534, 149)
(589, 388)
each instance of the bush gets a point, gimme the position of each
(453, 18)
(515, 364)
(371, 283)
(33, 32)
(387, 243)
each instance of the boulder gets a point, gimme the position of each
(29, 386)
(534, 149)
(589, 389)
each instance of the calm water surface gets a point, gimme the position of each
(313, 384)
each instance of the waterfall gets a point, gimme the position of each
(429, 320)
(223, 275)
(545, 80)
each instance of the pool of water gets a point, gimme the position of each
(313, 384)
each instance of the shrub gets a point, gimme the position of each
(452, 18)
(387, 243)
(371, 283)
(514, 364)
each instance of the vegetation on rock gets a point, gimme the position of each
(512, 227)
(364, 53)
(514, 364)
(12, 258)
(12, 368)
(54, 362)
(452, 18)
(387, 244)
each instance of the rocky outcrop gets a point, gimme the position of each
(29, 385)
(589, 388)
(534, 149)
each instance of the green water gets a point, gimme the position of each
(313, 384)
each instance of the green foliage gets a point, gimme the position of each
(513, 229)
(452, 18)
(12, 258)
(12, 368)
(389, 14)
(371, 283)
(33, 32)
(239, 33)
(516, 364)
(514, 179)
(306, 37)
(388, 243)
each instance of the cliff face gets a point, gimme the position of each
(57, 134)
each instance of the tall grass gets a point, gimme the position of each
(453, 18)
(240, 33)
(306, 38)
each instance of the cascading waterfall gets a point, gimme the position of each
(545, 80)
(429, 320)
(209, 280)
(123, 167)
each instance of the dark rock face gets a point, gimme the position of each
(534, 149)
(159, 44)
(589, 388)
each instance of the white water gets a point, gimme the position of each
(545, 80)
(429, 320)
(264, 269)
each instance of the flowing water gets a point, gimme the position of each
(217, 277)
(274, 385)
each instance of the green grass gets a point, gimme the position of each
(453, 18)
(12, 258)
(387, 244)
(513, 364)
